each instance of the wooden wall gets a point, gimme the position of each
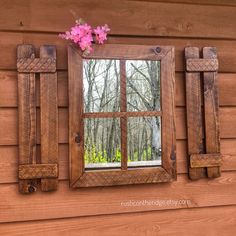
(211, 205)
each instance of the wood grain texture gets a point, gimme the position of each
(9, 124)
(27, 118)
(211, 111)
(123, 177)
(123, 120)
(194, 113)
(205, 160)
(168, 119)
(127, 52)
(8, 89)
(36, 65)
(38, 171)
(202, 65)
(94, 201)
(181, 20)
(121, 114)
(48, 117)
(9, 40)
(204, 221)
(198, 2)
(188, 22)
(167, 171)
(76, 130)
(9, 162)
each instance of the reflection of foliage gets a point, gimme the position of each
(100, 156)
(145, 156)
(102, 94)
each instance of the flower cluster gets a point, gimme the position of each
(84, 35)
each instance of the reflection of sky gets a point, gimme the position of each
(138, 78)
(101, 69)
(143, 85)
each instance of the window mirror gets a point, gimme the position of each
(121, 115)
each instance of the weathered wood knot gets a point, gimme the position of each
(32, 188)
(157, 50)
(77, 138)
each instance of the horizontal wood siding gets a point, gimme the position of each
(200, 222)
(139, 17)
(209, 206)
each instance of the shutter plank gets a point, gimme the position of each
(211, 106)
(49, 118)
(27, 118)
(194, 114)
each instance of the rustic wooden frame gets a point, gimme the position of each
(79, 177)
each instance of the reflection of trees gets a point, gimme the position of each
(101, 94)
(101, 90)
(143, 94)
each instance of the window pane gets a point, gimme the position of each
(143, 85)
(102, 146)
(101, 81)
(144, 141)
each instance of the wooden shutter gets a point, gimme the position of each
(202, 113)
(30, 169)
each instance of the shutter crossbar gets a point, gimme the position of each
(38, 171)
(200, 65)
(36, 65)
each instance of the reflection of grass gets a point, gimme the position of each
(98, 156)
(146, 155)
(95, 155)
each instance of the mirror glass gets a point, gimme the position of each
(144, 141)
(102, 147)
(143, 85)
(101, 84)
(101, 93)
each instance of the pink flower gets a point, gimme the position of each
(101, 33)
(82, 34)
(86, 43)
(67, 35)
(81, 30)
